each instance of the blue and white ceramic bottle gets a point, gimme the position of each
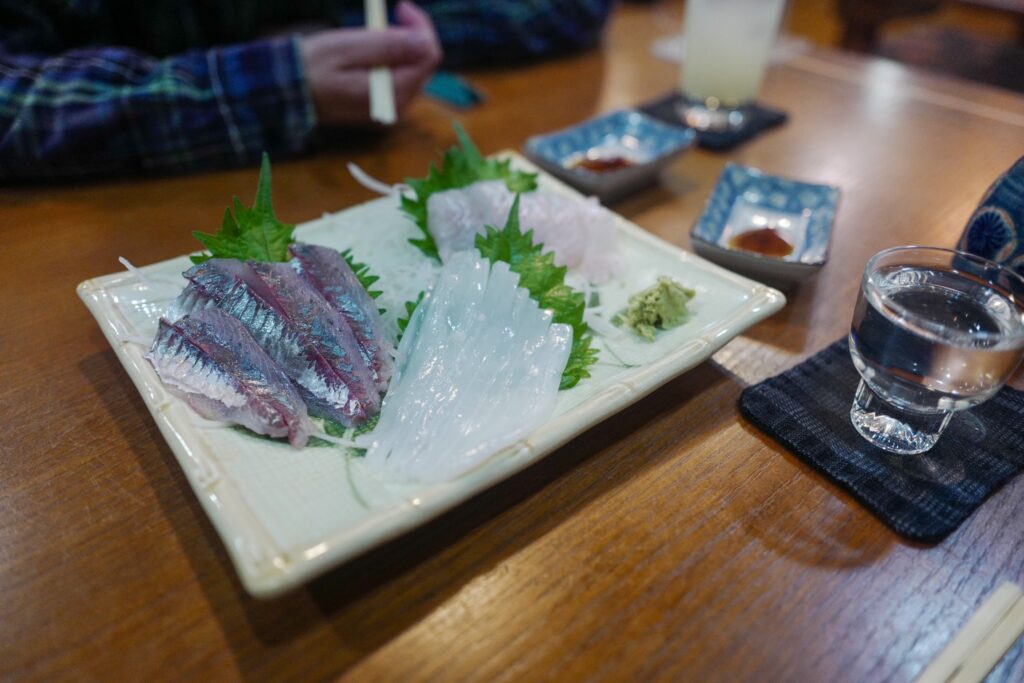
(996, 230)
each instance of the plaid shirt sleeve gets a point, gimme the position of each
(478, 33)
(107, 110)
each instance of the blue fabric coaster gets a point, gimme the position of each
(923, 497)
(758, 119)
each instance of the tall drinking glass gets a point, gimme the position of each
(728, 43)
(934, 331)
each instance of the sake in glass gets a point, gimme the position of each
(934, 331)
(728, 43)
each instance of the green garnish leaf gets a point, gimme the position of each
(249, 234)
(581, 357)
(545, 282)
(362, 271)
(366, 428)
(342, 432)
(462, 165)
(410, 307)
(333, 428)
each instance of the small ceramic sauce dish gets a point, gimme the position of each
(612, 155)
(773, 229)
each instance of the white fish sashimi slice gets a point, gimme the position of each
(479, 369)
(580, 232)
(455, 217)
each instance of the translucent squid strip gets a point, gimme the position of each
(211, 361)
(478, 369)
(580, 232)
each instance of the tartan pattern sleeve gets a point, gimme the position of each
(106, 110)
(479, 33)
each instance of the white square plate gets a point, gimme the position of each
(287, 515)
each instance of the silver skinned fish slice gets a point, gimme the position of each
(328, 272)
(211, 361)
(323, 326)
(236, 288)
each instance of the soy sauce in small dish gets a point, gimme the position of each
(766, 241)
(601, 164)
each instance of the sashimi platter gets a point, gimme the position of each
(329, 386)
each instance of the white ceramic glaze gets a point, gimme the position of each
(287, 516)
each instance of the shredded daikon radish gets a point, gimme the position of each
(374, 185)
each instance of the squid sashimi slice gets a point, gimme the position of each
(478, 369)
(580, 232)
(235, 288)
(211, 361)
(328, 272)
(486, 361)
(456, 319)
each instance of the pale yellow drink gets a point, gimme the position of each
(727, 47)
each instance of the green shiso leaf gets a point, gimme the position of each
(342, 432)
(462, 165)
(545, 282)
(362, 271)
(249, 234)
(410, 306)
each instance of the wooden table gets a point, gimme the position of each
(673, 542)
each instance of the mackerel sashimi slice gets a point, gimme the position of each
(328, 272)
(322, 326)
(478, 368)
(212, 362)
(312, 351)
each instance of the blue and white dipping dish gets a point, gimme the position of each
(747, 199)
(646, 143)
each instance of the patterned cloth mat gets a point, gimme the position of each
(923, 497)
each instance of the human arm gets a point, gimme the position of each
(107, 110)
(337, 63)
(501, 31)
(93, 111)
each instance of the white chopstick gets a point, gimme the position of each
(382, 89)
(995, 645)
(983, 640)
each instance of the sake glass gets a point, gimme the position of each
(935, 331)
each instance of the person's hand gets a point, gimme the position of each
(338, 62)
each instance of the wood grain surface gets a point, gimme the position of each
(673, 542)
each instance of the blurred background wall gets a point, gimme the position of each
(980, 40)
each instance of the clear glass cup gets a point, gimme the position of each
(935, 331)
(728, 43)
